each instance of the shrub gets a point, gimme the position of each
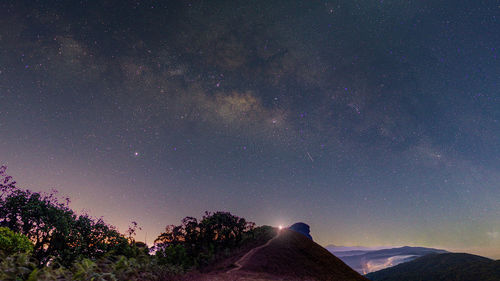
(18, 266)
(175, 255)
(11, 242)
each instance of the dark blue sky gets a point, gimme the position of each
(376, 122)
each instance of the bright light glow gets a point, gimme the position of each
(280, 227)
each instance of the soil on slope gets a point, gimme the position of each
(292, 255)
(288, 256)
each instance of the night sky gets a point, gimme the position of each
(375, 122)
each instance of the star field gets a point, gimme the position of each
(375, 122)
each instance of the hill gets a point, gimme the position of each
(295, 256)
(288, 256)
(442, 267)
(370, 261)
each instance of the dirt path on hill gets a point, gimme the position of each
(239, 263)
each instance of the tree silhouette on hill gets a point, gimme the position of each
(58, 234)
(196, 243)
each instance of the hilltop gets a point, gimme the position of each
(287, 256)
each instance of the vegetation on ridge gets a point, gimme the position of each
(41, 238)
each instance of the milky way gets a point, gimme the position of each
(376, 122)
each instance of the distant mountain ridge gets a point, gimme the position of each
(442, 267)
(365, 261)
(335, 249)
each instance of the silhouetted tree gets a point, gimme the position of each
(55, 230)
(197, 243)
